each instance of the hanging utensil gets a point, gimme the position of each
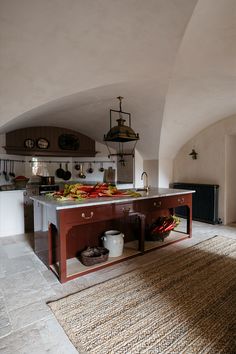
(67, 174)
(77, 167)
(60, 172)
(90, 169)
(6, 174)
(9, 173)
(81, 173)
(10, 163)
(12, 172)
(101, 169)
(4, 168)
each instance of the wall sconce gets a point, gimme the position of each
(194, 154)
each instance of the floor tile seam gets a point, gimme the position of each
(29, 304)
(41, 298)
(45, 318)
(49, 283)
(7, 311)
(6, 335)
(23, 271)
(22, 255)
(27, 271)
(16, 331)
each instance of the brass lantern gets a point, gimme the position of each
(121, 133)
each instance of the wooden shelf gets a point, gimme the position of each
(175, 236)
(75, 267)
(15, 142)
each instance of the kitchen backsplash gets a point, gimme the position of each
(41, 165)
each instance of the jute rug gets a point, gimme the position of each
(184, 303)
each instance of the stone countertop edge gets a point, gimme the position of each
(13, 190)
(65, 204)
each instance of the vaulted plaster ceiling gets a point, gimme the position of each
(202, 89)
(62, 63)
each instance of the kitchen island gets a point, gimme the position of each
(68, 227)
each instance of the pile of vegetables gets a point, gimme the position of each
(80, 191)
(162, 227)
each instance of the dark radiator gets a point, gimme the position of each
(205, 201)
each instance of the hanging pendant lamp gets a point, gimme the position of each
(121, 133)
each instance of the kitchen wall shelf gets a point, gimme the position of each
(25, 142)
(59, 161)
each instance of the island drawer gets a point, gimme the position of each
(164, 202)
(85, 215)
(123, 209)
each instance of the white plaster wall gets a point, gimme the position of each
(138, 169)
(210, 166)
(151, 167)
(230, 185)
(165, 172)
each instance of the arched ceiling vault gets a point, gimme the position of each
(63, 63)
(202, 89)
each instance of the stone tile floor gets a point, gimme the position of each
(26, 323)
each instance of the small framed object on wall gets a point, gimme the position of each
(42, 143)
(29, 143)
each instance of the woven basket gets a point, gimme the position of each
(92, 260)
(157, 236)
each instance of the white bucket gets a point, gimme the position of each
(113, 240)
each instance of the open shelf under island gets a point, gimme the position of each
(65, 228)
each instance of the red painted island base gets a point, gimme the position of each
(83, 226)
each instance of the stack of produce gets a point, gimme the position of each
(162, 227)
(80, 191)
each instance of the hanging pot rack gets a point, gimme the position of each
(58, 161)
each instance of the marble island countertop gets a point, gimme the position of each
(67, 204)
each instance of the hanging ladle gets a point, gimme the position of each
(81, 173)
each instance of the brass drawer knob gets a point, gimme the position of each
(181, 200)
(157, 204)
(126, 210)
(87, 217)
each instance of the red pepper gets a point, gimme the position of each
(158, 228)
(169, 228)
